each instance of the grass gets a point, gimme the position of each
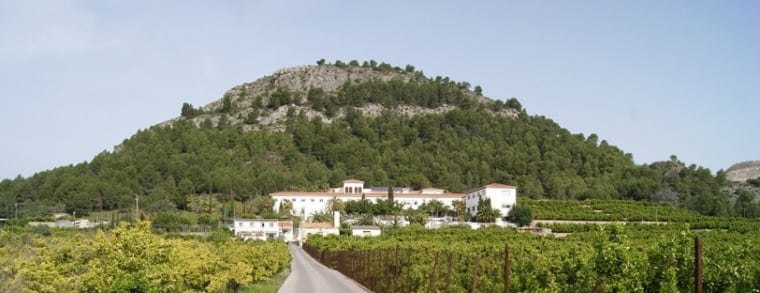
(270, 286)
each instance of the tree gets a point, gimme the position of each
(188, 111)
(252, 117)
(460, 210)
(286, 208)
(335, 205)
(227, 105)
(744, 205)
(514, 104)
(486, 214)
(416, 216)
(522, 216)
(321, 217)
(435, 208)
(321, 62)
(478, 90)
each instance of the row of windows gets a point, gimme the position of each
(476, 195)
(250, 224)
(304, 200)
(405, 202)
(352, 189)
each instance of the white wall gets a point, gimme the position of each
(365, 232)
(256, 225)
(502, 198)
(303, 233)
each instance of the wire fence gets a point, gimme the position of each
(419, 270)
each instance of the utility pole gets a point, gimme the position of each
(137, 207)
(16, 211)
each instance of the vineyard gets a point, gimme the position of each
(628, 212)
(613, 258)
(607, 210)
(131, 259)
(633, 256)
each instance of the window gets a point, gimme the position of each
(312, 200)
(271, 225)
(303, 200)
(415, 202)
(321, 200)
(506, 206)
(293, 199)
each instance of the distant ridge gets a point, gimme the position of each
(743, 171)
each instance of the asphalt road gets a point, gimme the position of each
(307, 275)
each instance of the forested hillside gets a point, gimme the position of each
(381, 124)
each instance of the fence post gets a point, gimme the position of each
(386, 279)
(395, 269)
(341, 262)
(506, 268)
(432, 273)
(408, 268)
(697, 265)
(475, 274)
(362, 267)
(374, 271)
(448, 273)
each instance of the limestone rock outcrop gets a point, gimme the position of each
(740, 172)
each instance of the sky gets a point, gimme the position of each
(655, 78)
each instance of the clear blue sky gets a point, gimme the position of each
(654, 78)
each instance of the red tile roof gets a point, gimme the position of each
(312, 225)
(352, 180)
(366, 194)
(499, 185)
(492, 185)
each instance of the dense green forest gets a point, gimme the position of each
(474, 144)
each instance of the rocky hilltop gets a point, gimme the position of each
(743, 171)
(238, 103)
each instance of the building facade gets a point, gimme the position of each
(503, 197)
(305, 204)
(257, 229)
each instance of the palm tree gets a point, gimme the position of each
(286, 208)
(460, 209)
(436, 208)
(485, 213)
(335, 205)
(321, 217)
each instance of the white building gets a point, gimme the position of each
(365, 231)
(503, 197)
(307, 228)
(256, 229)
(306, 204)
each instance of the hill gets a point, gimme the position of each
(310, 127)
(741, 172)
